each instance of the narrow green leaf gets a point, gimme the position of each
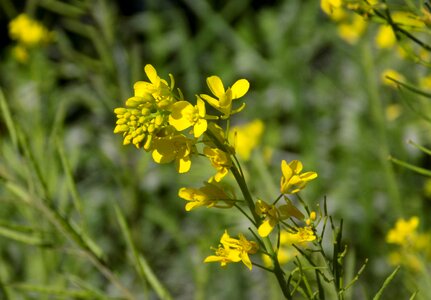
(139, 261)
(410, 166)
(29, 239)
(386, 283)
(54, 291)
(8, 119)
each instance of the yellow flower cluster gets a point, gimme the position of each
(27, 32)
(413, 247)
(158, 119)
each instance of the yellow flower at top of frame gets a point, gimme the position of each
(220, 160)
(156, 90)
(333, 8)
(292, 180)
(246, 137)
(404, 232)
(209, 195)
(390, 73)
(385, 37)
(184, 115)
(177, 147)
(352, 31)
(223, 103)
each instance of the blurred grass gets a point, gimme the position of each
(320, 98)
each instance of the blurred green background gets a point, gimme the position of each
(321, 99)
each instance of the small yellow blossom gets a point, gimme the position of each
(353, 30)
(385, 37)
(390, 73)
(393, 111)
(209, 195)
(333, 8)
(220, 160)
(20, 53)
(185, 115)
(233, 250)
(177, 147)
(292, 181)
(272, 215)
(246, 137)
(404, 231)
(157, 89)
(223, 103)
(27, 31)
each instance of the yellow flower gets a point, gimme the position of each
(353, 30)
(333, 8)
(389, 73)
(292, 181)
(219, 160)
(146, 114)
(223, 103)
(233, 250)
(27, 31)
(20, 53)
(385, 37)
(303, 235)
(246, 137)
(177, 147)
(272, 215)
(425, 83)
(393, 111)
(157, 89)
(209, 195)
(185, 115)
(404, 232)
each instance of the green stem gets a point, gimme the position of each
(378, 118)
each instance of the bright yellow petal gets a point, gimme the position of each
(246, 260)
(183, 164)
(211, 101)
(200, 127)
(177, 118)
(216, 86)
(265, 228)
(240, 88)
(308, 176)
(201, 107)
(152, 74)
(296, 166)
(185, 193)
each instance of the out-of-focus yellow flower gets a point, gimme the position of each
(177, 147)
(27, 31)
(333, 8)
(223, 103)
(393, 111)
(407, 19)
(233, 250)
(20, 53)
(209, 195)
(246, 137)
(292, 180)
(404, 231)
(390, 73)
(425, 83)
(185, 115)
(353, 30)
(220, 160)
(385, 37)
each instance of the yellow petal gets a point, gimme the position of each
(177, 119)
(246, 260)
(201, 107)
(152, 74)
(296, 166)
(200, 127)
(216, 86)
(183, 164)
(265, 228)
(240, 88)
(211, 101)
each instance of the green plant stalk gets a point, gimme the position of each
(378, 117)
